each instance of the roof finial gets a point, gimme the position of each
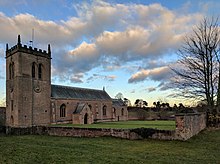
(7, 47)
(49, 50)
(19, 40)
(103, 88)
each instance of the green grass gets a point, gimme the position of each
(204, 148)
(164, 125)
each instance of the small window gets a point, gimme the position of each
(63, 110)
(33, 70)
(122, 111)
(104, 110)
(11, 70)
(40, 71)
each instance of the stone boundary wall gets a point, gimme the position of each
(187, 125)
(139, 133)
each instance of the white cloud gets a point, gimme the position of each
(103, 33)
(77, 78)
(156, 74)
(98, 76)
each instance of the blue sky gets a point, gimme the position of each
(125, 46)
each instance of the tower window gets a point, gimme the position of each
(40, 71)
(104, 110)
(63, 110)
(11, 70)
(33, 70)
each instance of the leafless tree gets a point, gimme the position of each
(198, 69)
(119, 96)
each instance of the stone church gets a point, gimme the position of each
(32, 100)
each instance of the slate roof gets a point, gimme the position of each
(118, 102)
(58, 91)
(79, 108)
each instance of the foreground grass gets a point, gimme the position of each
(164, 125)
(204, 148)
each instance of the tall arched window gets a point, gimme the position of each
(114, 110)
(104, 110)
(33, 70)
(63, 110)
(11, 70)
(122, 111)
(40, 71)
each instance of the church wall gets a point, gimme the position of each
(118, 115)
(71, 105)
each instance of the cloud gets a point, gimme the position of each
(98, 76)
(156, 74)
(151, 89)
(103, 35)
(77, 78)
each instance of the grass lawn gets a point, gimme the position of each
(164, 125)
(204, 148)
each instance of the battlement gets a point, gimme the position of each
(27, 49)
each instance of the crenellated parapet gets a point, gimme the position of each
(27, 49)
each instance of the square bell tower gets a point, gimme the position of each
(28, 85)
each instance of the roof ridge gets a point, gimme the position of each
(63, 86)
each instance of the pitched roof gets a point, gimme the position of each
(118, 102)
(58, 91)
(79, 107)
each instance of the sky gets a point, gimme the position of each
(125, 46)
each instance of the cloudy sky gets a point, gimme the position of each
(125, 46)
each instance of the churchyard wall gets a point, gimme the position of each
(187, 125)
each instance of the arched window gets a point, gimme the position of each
(11, 70)
(122, 111)
(63, 110)
(40, 71)
(104, 110)
(33, 70)
(114, 110)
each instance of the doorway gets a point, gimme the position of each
(86, 119)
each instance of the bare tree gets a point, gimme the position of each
(119, 96)
(198, 69)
